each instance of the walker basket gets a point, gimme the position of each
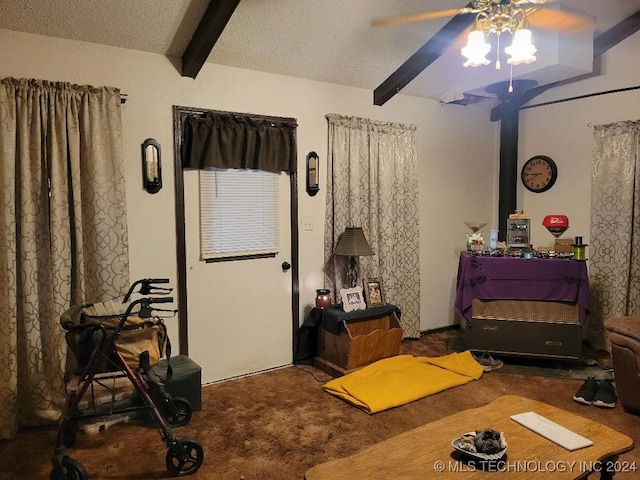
(88, 327)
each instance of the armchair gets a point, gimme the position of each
(624, 334)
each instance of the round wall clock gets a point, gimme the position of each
(539, 173)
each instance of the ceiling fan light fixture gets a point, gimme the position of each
(497, 17)
(476, 50)
(521, 50)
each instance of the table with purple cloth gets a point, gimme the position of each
(507, 278)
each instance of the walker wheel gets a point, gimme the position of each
(71, 470)
(181, 463)
(178, 414)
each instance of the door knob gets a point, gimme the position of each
(285, 266)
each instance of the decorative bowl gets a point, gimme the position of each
(458, 444)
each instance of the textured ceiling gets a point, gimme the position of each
(327, 40)
(158, 26)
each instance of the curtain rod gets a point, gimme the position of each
(606, 92)
(123, 98)
(203, 111)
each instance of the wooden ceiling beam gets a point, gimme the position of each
(601, 44)
(425, 56)
(616, 34)
(209, 29)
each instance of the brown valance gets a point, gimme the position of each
(228, 140)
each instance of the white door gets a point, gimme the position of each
(239, 312)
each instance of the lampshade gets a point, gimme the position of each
(521, 50)
(476, 50)
(353, 243)
(498, 17)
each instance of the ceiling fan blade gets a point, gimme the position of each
(418, 17)
(425, 56)
(531, 3)
(562, 20)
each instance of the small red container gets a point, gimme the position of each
(323, 298)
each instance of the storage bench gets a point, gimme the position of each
(374, 335)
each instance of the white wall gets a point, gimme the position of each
(458, 165)
(564, 132)
(457, 147)
(456, 151)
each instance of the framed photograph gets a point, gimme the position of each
(374, 292)
(352, 299)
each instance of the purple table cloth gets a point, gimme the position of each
(505, 278)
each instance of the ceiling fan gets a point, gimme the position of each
(486, 17)
(497, 17)
(537, 13)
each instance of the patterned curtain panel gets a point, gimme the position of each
(614, 256)
(63, 232)
(372, 183)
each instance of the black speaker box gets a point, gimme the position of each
(185, 382)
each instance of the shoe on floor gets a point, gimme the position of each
(488, 362)
(605, 395)
(587, 392)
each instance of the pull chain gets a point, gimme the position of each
(511, 79)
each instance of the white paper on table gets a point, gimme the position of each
(552, 431)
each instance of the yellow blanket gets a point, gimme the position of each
(402, 379)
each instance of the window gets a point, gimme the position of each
(238, 214)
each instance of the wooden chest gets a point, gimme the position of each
(359, 343)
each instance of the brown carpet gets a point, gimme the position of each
(279, 424)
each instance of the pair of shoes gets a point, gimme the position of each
(600, 394)
(488, 362)
(605, 395)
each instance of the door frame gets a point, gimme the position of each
(179, 115)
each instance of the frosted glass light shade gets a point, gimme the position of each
(521, 50)
(476, 50)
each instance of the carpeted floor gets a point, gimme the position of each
(277, 425)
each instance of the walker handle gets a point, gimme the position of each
(146, 287)
(159, 300)
(146, 305)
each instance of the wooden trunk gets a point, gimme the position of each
(359, 343)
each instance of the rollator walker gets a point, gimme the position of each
(117, 339)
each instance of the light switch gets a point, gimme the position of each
(307, 223)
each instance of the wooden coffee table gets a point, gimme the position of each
(426, 451)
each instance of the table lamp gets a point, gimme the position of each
(353, 244)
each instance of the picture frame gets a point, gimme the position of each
(352, 299)
(374, 292)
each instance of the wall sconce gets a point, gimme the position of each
(313, 173)
(151, 166)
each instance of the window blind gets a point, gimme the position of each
(238, 213)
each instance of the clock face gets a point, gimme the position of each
(539, 174)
